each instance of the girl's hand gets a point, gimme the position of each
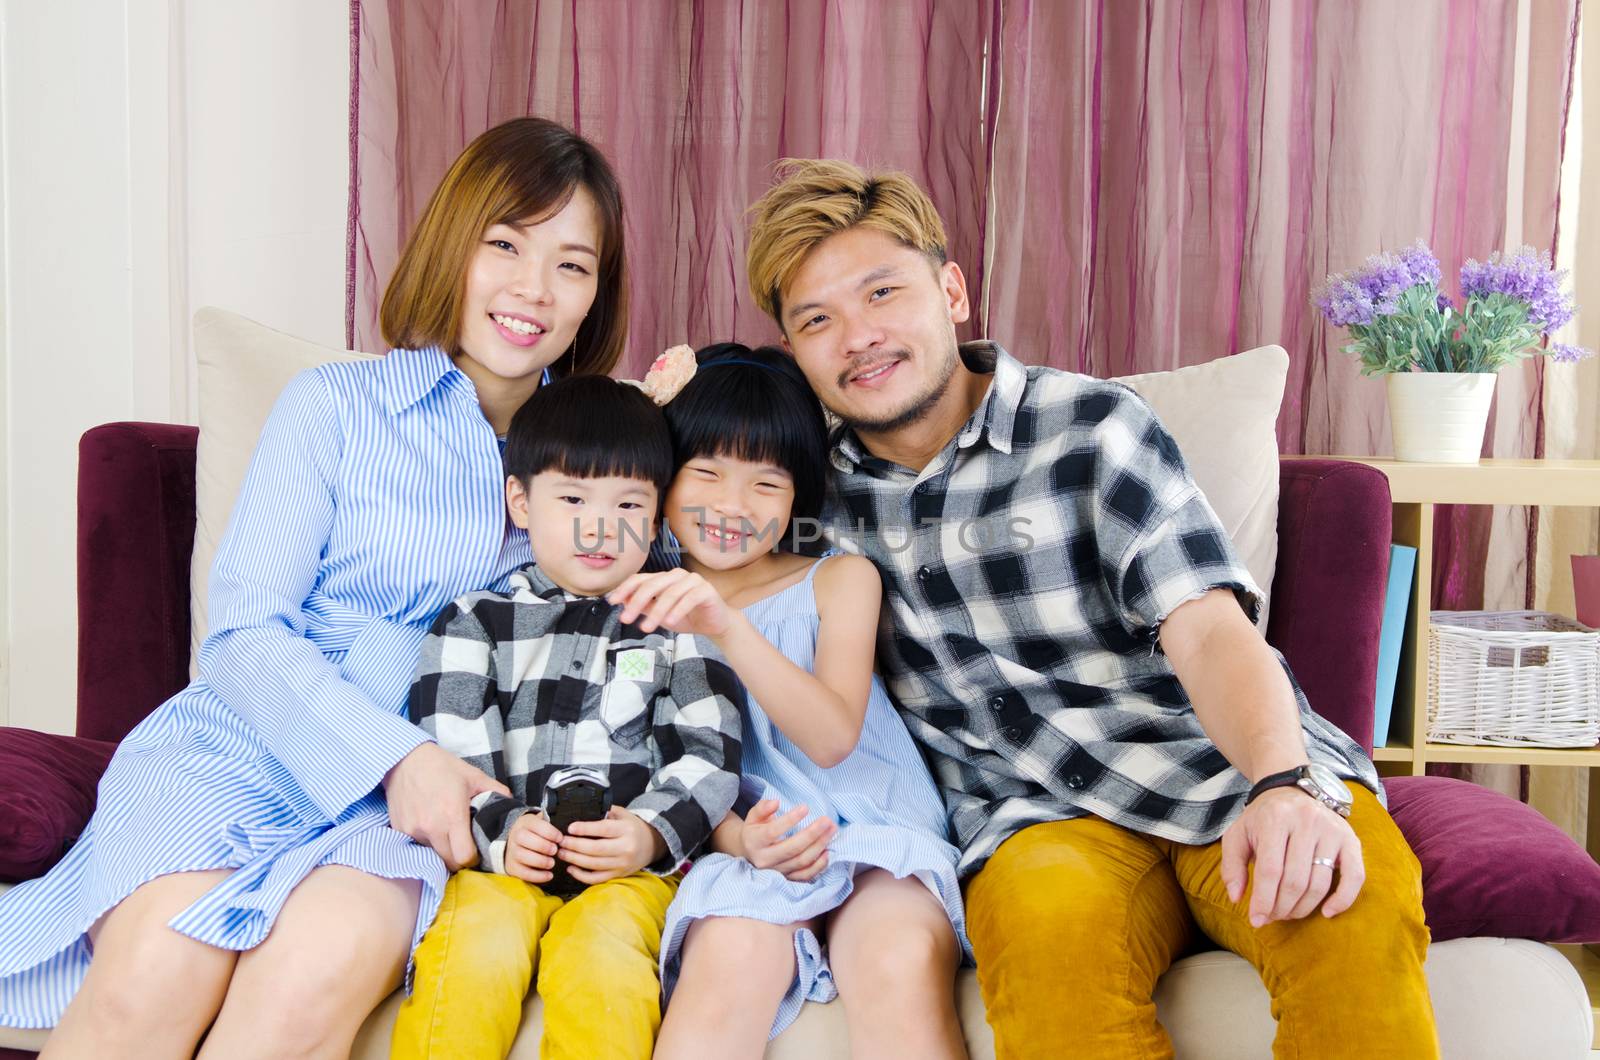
(531, 848)
(799, 857)
(680, 601)
(430, 792)
(618, 845)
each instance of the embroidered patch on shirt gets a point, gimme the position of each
(636, 664)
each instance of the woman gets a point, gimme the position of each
(242, 872)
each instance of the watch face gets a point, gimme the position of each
(1330, 784)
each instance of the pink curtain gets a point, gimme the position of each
(1130, 185)
(693, 101)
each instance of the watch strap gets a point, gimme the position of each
(1287, 778)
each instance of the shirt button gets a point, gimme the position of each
(1074, 782)
(597, 608)
(997, 703)
(577, 664)
(921, 487)
(923, 574)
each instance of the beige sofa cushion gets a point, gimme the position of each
(1224, 416)
(1492, 998)
(243, 368)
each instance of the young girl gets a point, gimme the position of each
(846, 840)
(259, 860)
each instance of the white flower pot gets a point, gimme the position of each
(1438, 417)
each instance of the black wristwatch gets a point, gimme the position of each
(1319, 782)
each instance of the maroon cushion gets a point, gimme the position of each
(1492, 866)
(1334, 522)
(47, 791)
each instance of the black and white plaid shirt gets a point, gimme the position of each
(1028, 568)
(523, 683)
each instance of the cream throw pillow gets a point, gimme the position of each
(243, 368)
(1223, 414)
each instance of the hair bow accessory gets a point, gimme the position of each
(668, 374)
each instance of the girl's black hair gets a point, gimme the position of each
(761, 410)
(590, 426)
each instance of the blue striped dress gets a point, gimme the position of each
(889, 813)
(373, 499)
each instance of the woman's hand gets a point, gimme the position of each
(430, 793)
(800, 857)
(617, 845)
(680, 601)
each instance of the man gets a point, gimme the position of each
(1069, 635)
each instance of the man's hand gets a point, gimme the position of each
(531, 848)
(799, 857)
(1282, 831)
(430, 793)
(618, 845)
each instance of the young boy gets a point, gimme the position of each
(533, 682)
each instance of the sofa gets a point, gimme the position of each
(1493, 996)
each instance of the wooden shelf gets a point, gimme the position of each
(1414, 490)
(1556, 482)
(1526, 756)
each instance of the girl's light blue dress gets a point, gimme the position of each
(889, 813)
(374, 498)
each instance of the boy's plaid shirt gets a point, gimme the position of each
(523, 683)
(1028, 569)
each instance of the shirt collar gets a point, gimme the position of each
(530, 579)
(410, 375)
(995, 417)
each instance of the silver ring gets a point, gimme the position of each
(1325, 862)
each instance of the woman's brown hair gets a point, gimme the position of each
(525, 169)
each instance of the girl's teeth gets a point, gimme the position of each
(521, 327)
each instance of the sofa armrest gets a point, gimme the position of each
(1334, 530)
(135, 537)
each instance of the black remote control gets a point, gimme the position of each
(571, 794)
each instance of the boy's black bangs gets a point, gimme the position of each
(590, 427)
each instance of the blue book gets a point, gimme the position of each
(1396, 602)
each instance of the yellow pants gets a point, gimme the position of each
(1072, 922)
(595, 956)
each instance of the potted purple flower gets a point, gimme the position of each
(1441, 361)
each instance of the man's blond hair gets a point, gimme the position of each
(819, 197)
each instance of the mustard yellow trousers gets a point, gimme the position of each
(594, 955)
(1072, 922)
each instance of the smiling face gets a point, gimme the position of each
(588, 534)
(528, 288)
(871, 322)
(726, 513)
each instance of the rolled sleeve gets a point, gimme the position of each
(1184, 555)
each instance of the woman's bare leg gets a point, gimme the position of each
(735, 972)
(339, 947)
(894, 957)
(150, 992)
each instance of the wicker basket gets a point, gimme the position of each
(1521, 678)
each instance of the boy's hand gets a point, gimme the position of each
(531, 848)
(680, 601)
(619, 845)
(799, 857)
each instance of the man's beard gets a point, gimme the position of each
(912, 413)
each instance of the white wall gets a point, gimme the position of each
(155, 156)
